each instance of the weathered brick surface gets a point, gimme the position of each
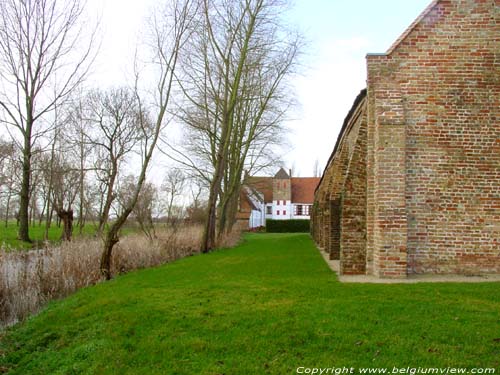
(428, 160)
(335, 189)
(339, 221)
(353, 214)
(282, 189)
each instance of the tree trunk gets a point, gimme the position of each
(232, 209)
(66, 217)
(110, 241)
(48, 218)
(229, 204)
(111, 238)
(81, 222)
(44, 207)
(24, 199)
(103, 219)
(208, 242)
(32, 219)
(7, 209)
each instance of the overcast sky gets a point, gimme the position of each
(340, 34)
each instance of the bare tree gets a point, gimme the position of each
(170, 30)
(234, 82)
(195, 212)
(81, 149)
(65, 189)
(116, 130)
(143, 209)
(59, 176)
(39, 40)
(6, 153)
(35, 191)
(173, 186)
(46, 164)
(316, 169)
(9, 178)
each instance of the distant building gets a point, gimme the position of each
(281, 197)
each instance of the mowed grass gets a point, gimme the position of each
(267, 306)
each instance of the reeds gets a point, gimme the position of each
(29, 279)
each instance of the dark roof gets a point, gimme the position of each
(303, 189)
(250, 202)
(357, 101)
(282, 174)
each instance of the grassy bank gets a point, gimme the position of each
(30, 279)
(266, 307)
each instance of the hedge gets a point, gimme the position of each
(287, 226)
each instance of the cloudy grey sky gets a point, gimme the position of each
(340, 34)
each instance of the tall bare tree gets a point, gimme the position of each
(316, 169)
(234, 82)
(171, 29)
(9, 179)
(42, 59)
(65, 189)
(81, 149)
(114, 131)
(172, 186)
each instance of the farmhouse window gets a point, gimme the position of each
(298, 210)
(307, 210)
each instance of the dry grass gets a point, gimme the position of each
(30, 279)
(229, 239)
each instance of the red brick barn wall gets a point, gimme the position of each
(320, 232)
(327, 200)
(433, 203)
(335, 189)
(353, 258)
(342, 194)
(325, 213)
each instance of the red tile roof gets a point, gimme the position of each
(262, 184)
(303, 189)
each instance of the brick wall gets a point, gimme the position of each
(386, 122)
(353, 258)
(436, 143)
(335, 188)
(341, 196)
(418, 171)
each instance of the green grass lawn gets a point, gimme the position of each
(268, 306)
(8, 234)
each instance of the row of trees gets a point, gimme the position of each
(70, 179)
(225, 63)
(234, 81)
